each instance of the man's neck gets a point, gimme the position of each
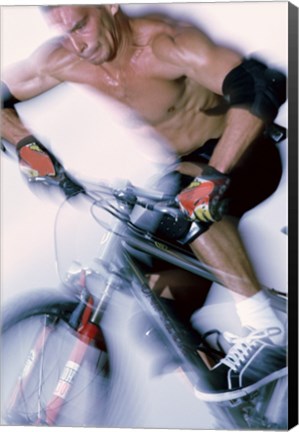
(124, 37)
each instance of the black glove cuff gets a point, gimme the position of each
(30, 139)
(211, 172)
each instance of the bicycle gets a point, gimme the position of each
(71, 322)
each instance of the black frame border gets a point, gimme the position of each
(293, 214)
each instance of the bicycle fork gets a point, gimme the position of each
(87, 335)
(88, 332)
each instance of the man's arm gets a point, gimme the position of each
(242, 128)
(197, 57)
(12, 129)
(254, 94)
(23, 81)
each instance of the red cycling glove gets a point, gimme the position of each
(34, 159)
(203, 199)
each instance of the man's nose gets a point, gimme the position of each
(79, 44)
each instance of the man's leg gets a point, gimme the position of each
(221, 248)
(258, 356)
(255, 357)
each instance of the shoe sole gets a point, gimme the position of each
(235, 394)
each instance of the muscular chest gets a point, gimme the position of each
(147, 90)
(153, 98)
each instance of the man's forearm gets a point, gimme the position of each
(242, 128)
(255, 93)
(12, 128)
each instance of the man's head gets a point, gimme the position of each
(91, 32)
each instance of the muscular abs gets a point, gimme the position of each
(177, 107)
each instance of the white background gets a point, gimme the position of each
(27, 250)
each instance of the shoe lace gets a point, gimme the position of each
(243, 347)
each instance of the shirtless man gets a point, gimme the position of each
(191, 91)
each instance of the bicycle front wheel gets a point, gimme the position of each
(37, 367)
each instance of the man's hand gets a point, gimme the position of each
(36, 161)
(203, 198)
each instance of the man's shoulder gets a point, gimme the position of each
(174, 37)
(149, 28)
(51, 54)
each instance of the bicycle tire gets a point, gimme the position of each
(23, 323)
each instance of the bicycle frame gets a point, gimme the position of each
(125, 272)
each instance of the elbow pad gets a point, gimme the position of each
(7, 99)
(256, 87)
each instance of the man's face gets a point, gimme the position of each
(89, 30)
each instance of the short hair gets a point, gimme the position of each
(47, 8)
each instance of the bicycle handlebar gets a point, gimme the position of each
(148, 198)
